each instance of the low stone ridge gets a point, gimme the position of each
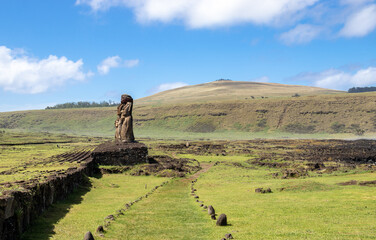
(165, 166)
(18, 209)
(120, 154)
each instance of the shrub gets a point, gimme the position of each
(357, 130)
(202, 126)
(338, 127)
(299, 128)
(261, 123)
(238, 126)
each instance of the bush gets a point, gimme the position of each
(338, 127)
(261, 123)
(238, 126)
(357, 130)
(299, 128)
(296, 95)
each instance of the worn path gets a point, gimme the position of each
(169, 213)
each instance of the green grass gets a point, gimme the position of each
(27, 156)
(310, 207)
(313, 208)
(86, 209)
(168, 214)
(230, 118)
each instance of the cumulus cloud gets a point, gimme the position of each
(22, 74)
(167, 86)
(341, 80)
(361, 22)
(115, 62)
(309, 18)
(302, 33)
(206, 13)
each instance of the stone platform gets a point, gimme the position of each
(120, 154)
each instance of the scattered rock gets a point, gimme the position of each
(222, 220)
(261, 190)
(100, 229)
(211, 210)
(110, 217)
(352, 182)
(228, 236)
(364, 183)
(88, 236)
(205, 207)
(213, 217)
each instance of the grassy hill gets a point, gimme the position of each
(221, 109)
(230, 90)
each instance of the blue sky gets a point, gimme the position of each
(93, 50)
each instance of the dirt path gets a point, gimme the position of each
(204, 168)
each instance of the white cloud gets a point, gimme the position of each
(341, 80)
(302, 33)
(22, 74)
(361, 22)
(261, 79)
(115, 62)
(207, 13)
(131, 63)
(167, 86)
(106, 64)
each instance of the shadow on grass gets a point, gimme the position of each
(43, 227)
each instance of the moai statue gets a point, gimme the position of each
(124, 122)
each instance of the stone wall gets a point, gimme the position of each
(19, 208)
(120, 154)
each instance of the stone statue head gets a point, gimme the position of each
(126, 98)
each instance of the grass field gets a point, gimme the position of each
(87, 208)
(313, 208)
(333, 200)
(30, 156)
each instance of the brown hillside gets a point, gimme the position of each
(308, 114)
(230, 90)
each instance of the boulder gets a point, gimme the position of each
(222, 220)
(100, 229)
(211, 210)
(228, 236)
(88, 236)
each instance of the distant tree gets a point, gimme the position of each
(222, 79)
(296, 95)
(83, 105)
(361, 89)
